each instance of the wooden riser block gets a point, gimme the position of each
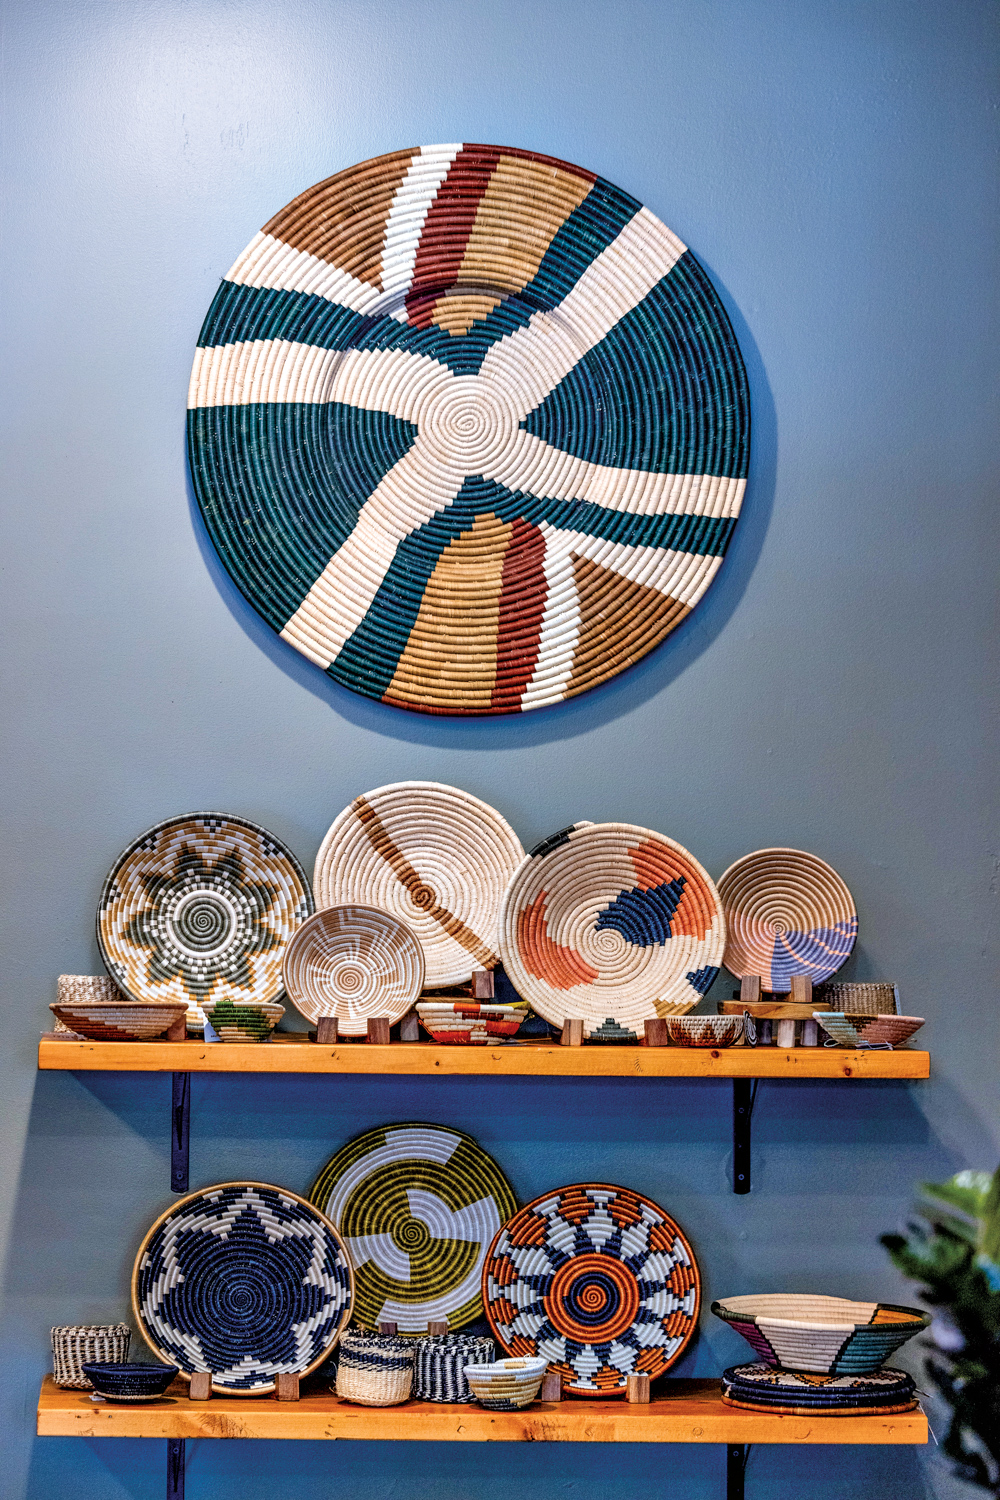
(551, 1387)
(177, 1032)
(750, 989)
(482, 984)
(286, 1388)
(327, 1029)
(409, 1027)
(438, 1326)
(656, 1033)
(387, 1329)
(201, 1386)
(572, 1033)
(638, 1390)
(378, 1030)
(802, 990)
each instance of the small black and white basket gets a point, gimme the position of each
(439, 1365)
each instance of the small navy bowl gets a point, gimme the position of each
(130, 1382)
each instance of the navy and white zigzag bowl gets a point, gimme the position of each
(245, 1280)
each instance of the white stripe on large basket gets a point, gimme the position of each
(272, 265)
(529, 363)
(409, 209)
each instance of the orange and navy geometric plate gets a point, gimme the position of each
(611, 923)
(469, 427)
(596, 1279)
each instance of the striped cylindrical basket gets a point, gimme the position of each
(74, 1346)
(439, 1366)
(374, 1369)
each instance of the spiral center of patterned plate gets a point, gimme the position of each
(468, 422)
(410, 1235)
(349, 980)
(423, 896)
(593, 1299)
(203, 921)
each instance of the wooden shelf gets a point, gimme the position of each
(687, 1411)
(292, 1053)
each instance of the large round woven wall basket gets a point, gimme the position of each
(418, 1206)
(469, 428)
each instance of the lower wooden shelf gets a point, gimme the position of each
(686, 1411)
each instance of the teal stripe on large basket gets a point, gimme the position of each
(665, 391)
(280, 487)
(369, 657)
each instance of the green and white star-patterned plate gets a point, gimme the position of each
(418, 1207)
(200, 908)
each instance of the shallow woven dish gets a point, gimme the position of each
(440, 1363)
(434, 856)
(353, 962)
(77, 1344)
(858, 998)
(596, 1280)
(242, 1023)
(759, 1387)
(130, 1382)
(850, 1030)
(246, 1280)
(120, 1020)
(825, 1335)
(470, 1024)
(374, 1369)
(200, 908)
(705, 1031)
(506, 1385)
(607, 921)
(418, 1206)
(787, 912)
(469, 428)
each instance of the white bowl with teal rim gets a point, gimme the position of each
(508, 1384)
(822, 1335)
(233, 1022)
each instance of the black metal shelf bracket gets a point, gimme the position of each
(736, 1468)
(180, 1143)
(744, 1097)
(175, 1446)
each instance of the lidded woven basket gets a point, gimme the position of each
(374, 1369)
(76, 1345)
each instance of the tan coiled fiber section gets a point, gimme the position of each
(436, 858)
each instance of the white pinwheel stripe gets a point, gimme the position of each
(536, 467)
(281, 371)
(434, 1144)
(417, 486)
(270, 264)
(560, 628)
(409, 209)
(530, 363)
(383, 1250)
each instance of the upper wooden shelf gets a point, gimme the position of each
(683, 1411)
(292, 1053)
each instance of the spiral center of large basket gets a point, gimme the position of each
(350, 980)
(410, 1235)
(423, 896)
(593, 1299)
(469, 423)
(203, 921)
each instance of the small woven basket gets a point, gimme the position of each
(74, 988)
(374, 1369)
(858, 999)
(76, 1345)
(439, 1365)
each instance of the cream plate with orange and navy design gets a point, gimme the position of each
(469, 427)
(611, 923)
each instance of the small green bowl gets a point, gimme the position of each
(243, 1023)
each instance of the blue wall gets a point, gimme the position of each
(832, 162)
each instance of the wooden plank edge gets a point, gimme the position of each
(427, 1059)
